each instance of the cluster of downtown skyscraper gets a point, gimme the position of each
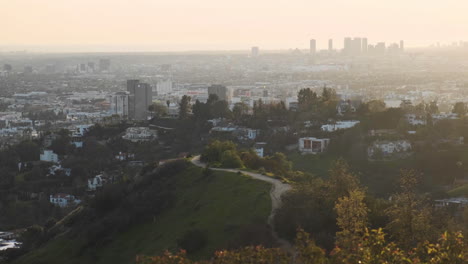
(360, 46)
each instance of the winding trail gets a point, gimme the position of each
(277, 190)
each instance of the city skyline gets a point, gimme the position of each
(188, 25)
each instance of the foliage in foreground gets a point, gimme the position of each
(373, 248)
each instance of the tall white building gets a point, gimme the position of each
(313, 46)
(163, 86)
(254, 52)
(119, 104)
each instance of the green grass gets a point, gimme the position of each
(219, 206)
(315, 164)
(459, 191)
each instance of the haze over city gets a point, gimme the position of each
(180, 25)
(233, 132)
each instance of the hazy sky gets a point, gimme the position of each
(227, 24)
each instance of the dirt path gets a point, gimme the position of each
(277, 189)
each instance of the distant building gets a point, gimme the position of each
(312, 145)
(7, 67)
(104, 65)
(49, 156)
(139, 134)
(457, 203)
(28, 69)
(380, 48)
(330, 45)
(402, 45)
(164, 86)
(383, 149)
(221, 91)
(96, 182)
(339, 125)
(364, 45)
(91, 66)
(356, 46)
(63, 200)
(119, 104)
(255, 51)
(313, 46)
(139, 99)
(259, 148)
(347, 46)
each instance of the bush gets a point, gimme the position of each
(193, 240)
(230, 159)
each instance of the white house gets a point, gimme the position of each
(49, 156)
(339, 125)
(387, 148)
(63, 200)
(311, 145)
(415, 120)
(139, 134)
(96, 182)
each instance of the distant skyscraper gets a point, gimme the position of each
(104, 64)
(82, 67)
(28, 69)
(364, 45)
(313, 46)
(119, 104)
(380, 48)
(91, 66)
(356, 46)
(163, 86)
(140, 98)
(330, 45)
(7, 67)
(221, 91)
(402, 45)
(254, 52)
(347, 46)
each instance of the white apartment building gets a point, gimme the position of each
(49, 156)
(312, 145)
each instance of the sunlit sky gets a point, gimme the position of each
(170, 25)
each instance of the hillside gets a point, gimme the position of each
(223, 206)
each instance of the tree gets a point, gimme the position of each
(157, 109)
(239, 111)
(376, 106)
(352, 221)
(409, 216)
(214, 151)
(230, 159)
(342, 180)
(27, 151)
(432, 108)
(460, 109)
(220, 109)
(307, 99)
(184, 107)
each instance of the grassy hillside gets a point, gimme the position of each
(220, 205)
(459, 191)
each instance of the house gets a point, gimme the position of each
(56, 169)
(139, 134)
(49, 156)
(259, 148)
(96, 182)
(312, 145)
(339, 125)
(415, 120)
(124, 156)
(388, 148)
(458, 203)
(63, 200)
